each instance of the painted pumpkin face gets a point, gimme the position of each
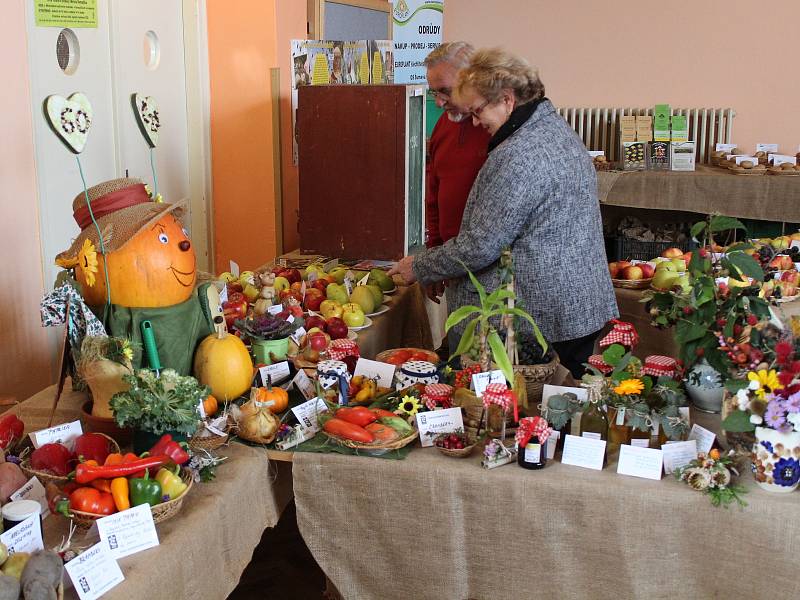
(157, 267)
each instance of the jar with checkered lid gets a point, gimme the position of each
(330, 371)
(415, 371)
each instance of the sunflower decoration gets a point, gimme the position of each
(87, 261)
(767, 381)
(629, 387)
(408, 406)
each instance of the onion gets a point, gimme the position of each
(257, 423)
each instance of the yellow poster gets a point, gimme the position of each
(65, 13)
(377, 68)
(320, 74)
(363, 69)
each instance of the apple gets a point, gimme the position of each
(320, 284)
(684, 282)
(286, 294)
(337, 293)
(318, 340)
(632, 273)
(250, 292)
(786, 263)
(293, 275)
(781, 243)
(613, 270)
(647, 270)
(246, 277)
(790, 277)
(354, 318)
(621, 264)
(281, 283)
(338, 273)
(227, 277)
(314, 298)
(336, 327)
(330, 308)
(664, 279)
(666, 265)
(680, 266)
(686, 258)
(788, 289)
(672, 253)
(315, 268)
(234, 286)
(314, 321)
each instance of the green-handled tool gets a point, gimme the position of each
(150, 350)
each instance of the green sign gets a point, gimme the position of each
(66, 13)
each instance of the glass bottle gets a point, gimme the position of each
(533, 455)
(594, 420)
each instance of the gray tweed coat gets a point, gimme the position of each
(537, 193)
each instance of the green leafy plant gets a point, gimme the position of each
(159, 404)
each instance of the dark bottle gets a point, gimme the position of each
(533, 455)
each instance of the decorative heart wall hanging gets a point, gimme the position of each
(145, 108)
(70, 119)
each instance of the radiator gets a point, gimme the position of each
(598, 127)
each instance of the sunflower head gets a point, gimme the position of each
(629, 387)
(409, 405)
(87, 261)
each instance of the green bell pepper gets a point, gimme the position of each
(145, 491)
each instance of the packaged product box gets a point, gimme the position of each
(658, 156)
(680, 128)
(661, 115)
(627, 122)
(682, 156)
(644, 121)
(634, 156)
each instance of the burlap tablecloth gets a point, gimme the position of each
(205, 548)
(437, 527)
(706, 190)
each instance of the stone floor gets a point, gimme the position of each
(282, 567)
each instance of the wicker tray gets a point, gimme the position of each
(161, 512)
(637, 284)
(212, 442)
(536, 376)
(433, 357)
(783, 172)
(747, 172)
(46, 478)
(375, 449)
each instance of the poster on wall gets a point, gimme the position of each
(65, 13)
(337, 62)
(417, 29)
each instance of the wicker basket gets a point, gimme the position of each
(463, 452)
(638, 284)
(212, 442)
(161, 512)
(536, 376)
(46, 478)
(375, 449)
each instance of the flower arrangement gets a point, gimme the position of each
(115, 349)
(711, 475)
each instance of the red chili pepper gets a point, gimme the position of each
(11, 429)
(168, 447)
(52, 458)
(358, 415)
(92, 446)
(85, 473)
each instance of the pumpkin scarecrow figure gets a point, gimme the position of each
(145, 269)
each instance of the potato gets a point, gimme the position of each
(42, 575)
(9, 587)
(760, 153)
(787, 166)
(15, 564)
(747, 164)
(11, 479)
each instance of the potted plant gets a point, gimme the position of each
(158, 404)
(269, 336)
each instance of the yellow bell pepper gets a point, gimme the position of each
(171, 484)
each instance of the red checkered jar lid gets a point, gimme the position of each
(656, 365)
(596, 360)
(623, 333)
(342, 348)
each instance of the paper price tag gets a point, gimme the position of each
(298, 335)
(129, 531)
(311, 277)
(640, 442)
(234, 269)
(334, 262)
(307, 413)
(620, 416)
(584, 452)
(94, 572)
(725, 147)
(704, 437)
(596, 153)
(25, 537)
(364, 280)
(275, 309)
(435, 422)
(290, 319)
(779, 159)
(223, 295)
(304, 384)
(33, 490)
(639, 462)
(678, 454)
(372, 369)
(278, 372)
(61, 434)
(481, 380)
(767, 148)
(552, 444)
(303, 290)
(348, 282)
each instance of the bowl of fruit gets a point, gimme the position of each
(398, 356)
(456, 444)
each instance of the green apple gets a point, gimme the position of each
(664, 279)
(246, 277)
(280, 284)
(680, 264)
(353, 316)
(227, 277)
(666, 265)
(381, 279)
(330, 308)
(338, 274)
(377, 294)
(315, 268)
(683, 281)
(363, 297)
(337, 292)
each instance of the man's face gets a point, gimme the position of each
(441, 79)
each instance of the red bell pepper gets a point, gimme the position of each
(86, 473)
(52, 458)
(234, 308)
(92, 446)
(166, 446)
(11, 429)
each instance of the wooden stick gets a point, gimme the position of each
(63, 364)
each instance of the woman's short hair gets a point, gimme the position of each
(492, 70)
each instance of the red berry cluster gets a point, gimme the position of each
(463, 378)
(454, 441)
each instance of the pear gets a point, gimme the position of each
(338, 274)
(377, 294)
(363, 297)
(336, 292)
(381, 279)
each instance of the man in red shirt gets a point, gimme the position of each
(456, 152)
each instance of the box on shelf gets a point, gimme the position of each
(682, 156)
(661, 115)
(644, 135)
(634, 156)
(658, 156)
(680, 128)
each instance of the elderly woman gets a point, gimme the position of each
(537, 194)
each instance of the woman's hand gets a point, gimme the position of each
(404, 268)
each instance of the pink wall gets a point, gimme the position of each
(24, 352)
(624, 53)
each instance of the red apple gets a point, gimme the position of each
(790, 277)
(336, 328)
(672, 253)
(686, 258)
(313, 299)
(297, 286)
(648, 270)
(296, 311)
(632, 273)
(284, 294)
(621, 264)
(613, 270)
(315, 321)
(318, 341)
(293, 275)
(320, 284)
(278, 270)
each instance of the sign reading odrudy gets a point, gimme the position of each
(66, 13)
(417, 30)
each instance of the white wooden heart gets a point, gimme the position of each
(70, 118)
(146, 110)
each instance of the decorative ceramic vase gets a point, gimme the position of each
(705, 388)
(415, 371)
(262, 349)
(776, 460)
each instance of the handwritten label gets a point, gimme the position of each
(304, 384)
(705, 438)
(584, 452)
(94, 572)
(640, 462)
(60, 434)
(640, 442)
(25, 537)
(481, 380)
(33, 490)
(435, 422)
(277, 372)
(678, 454)
(372, 369)
(725, 147)
(129, 531)
(307, 413)
(298, 335)
(234, 269)
(767, 148)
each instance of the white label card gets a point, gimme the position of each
(275, 309)
(551, 390)
(552, 443)
(60, 434)
(705, 438)
(372, 369)
(129, 531)
(481, 380)
(678, 454)
(584, 452)
(779, 159)
(25, 537)
(620, 420)
(278, 372)
(640, 442)
(596, 153)
(223, 295)
(304, 384)
(363, 280)
(312, 277)
(434, 422)
(640, 462)
(767, 148)
(33, 490)
(725, 147)
(348, 282)
(330, 264)
(94, 572)
(533, 453)
(591, 435)
(234, 269)
(307, 413)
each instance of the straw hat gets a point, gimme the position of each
(122, 208)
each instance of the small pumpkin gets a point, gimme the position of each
(210, 406)
(276, 398)
(223, 364)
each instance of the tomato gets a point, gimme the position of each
(401, 355)
(426, 356)
(395, 360)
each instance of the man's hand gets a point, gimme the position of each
(404, 268)
(434, 291)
